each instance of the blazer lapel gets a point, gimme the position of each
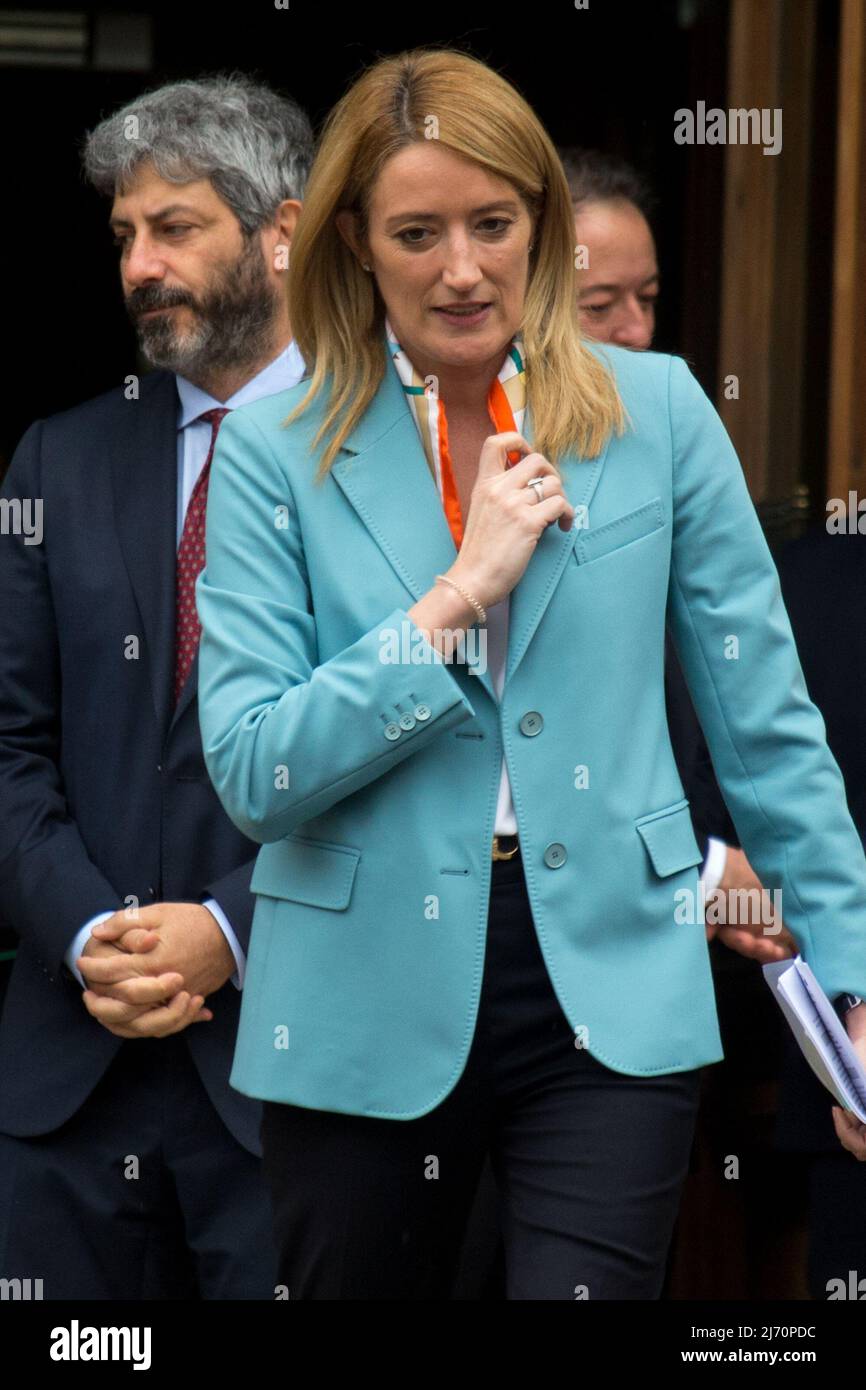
(384, 474)
(144, 476)
(188, 691)
(533, 591)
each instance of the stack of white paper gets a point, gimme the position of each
(820, 1035)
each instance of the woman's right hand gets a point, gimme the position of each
(506, 518)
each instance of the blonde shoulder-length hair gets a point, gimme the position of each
(337, 312)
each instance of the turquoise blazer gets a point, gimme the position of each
(368, 768)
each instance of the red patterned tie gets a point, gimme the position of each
(190, 563)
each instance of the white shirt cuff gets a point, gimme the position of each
(714, 866)
(225, 927)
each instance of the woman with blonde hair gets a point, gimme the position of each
(431, 686)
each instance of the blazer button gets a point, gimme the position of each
(392, 731)
(531, 724)
(555, 855)
(422, 712)
(407, 721)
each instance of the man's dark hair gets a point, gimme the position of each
(595, 177)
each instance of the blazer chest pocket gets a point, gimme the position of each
(670, 839)
(306, 871)
(614, 535)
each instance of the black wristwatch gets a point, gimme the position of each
(846, 1002)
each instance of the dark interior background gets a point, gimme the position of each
(611, 76)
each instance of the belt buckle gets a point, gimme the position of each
(502, 853)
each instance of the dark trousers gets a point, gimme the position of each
(143, 1194)
(837, 1223)
(589, 1162)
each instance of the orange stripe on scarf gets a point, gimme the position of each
(502, 419)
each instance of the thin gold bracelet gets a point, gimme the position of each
(482, 616)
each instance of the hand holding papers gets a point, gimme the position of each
(820, 1035)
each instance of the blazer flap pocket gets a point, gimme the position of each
(613, 535)
(306, 871)
(670, 839)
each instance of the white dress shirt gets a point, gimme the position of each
(193, 443)
(497, 652)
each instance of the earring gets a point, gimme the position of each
(364, 265)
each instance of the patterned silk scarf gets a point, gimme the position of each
(506, 406)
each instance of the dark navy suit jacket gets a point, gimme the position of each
(104, 795)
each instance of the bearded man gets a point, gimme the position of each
(131, 1168)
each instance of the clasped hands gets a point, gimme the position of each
(767, 939)
(149, 970)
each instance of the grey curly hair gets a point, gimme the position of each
(254, 145)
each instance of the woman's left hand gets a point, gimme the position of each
(851, 1132)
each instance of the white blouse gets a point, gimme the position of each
(497, 650)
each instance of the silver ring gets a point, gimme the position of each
(538, 485)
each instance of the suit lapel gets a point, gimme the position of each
(188, 691)
(144, 475)
(384, 474)
(534, 590)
